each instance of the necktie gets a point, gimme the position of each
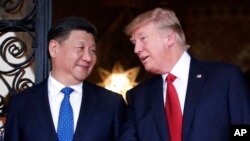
(65, 130)
(173, 110)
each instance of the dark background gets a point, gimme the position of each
(216, 29)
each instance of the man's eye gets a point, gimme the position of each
(92, 51)
(81, 48)
(143, 38)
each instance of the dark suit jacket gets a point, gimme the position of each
(29, 117)
(213, 102)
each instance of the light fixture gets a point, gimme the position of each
(119, 80)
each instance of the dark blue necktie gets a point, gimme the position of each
(65, 129)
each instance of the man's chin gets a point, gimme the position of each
(82, 77)
(148, 69)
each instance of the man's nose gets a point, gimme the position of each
(138, 48)
(86, 56)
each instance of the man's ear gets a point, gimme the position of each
(171, 38)
(53, 47)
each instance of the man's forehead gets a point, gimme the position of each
(141, 30)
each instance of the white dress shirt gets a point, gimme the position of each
(181, 71)
(56, 97)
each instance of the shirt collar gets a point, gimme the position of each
(55, 86)
(181, 68)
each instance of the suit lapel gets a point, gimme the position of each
(157, 104)
(195, 82)
(40, 102)
(88, 106)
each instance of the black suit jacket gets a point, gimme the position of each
(216, 97)
(29, 117)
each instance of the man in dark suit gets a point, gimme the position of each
(35, 113)
(187, 100)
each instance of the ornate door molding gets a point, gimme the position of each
(23, 47)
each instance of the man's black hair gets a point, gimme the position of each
(62, 28)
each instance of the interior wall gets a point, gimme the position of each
(215, 30)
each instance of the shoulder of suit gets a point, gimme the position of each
(219, 65)
(147, 83)
(30, 91)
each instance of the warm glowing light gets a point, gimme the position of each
(119, 80)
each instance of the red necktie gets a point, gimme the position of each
(173, 110)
